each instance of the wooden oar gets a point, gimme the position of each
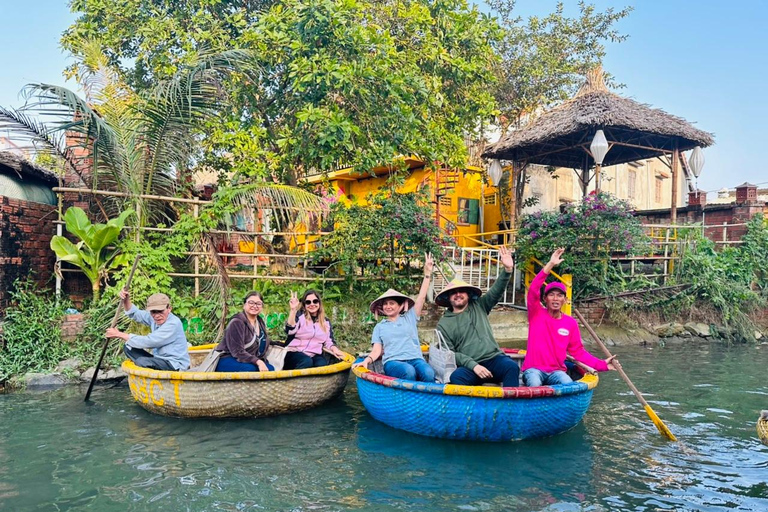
(654, 417)
(113, 324)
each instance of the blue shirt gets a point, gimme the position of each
(167, 341)
(399, 339)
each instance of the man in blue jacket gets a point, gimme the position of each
(167, 341)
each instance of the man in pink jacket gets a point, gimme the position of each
(552, 333)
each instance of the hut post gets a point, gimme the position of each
(675, 174)
(196, 213)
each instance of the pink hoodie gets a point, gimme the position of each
(549, 339)
(308, 336)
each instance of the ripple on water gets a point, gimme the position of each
(114, 456)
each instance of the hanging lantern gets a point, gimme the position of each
(599, 147)
(696, 162)
(494, 172)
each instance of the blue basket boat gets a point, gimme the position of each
(477, 413)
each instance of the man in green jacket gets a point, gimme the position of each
(467, 331)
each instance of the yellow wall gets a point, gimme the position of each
(467, 186)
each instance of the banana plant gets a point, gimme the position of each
(91, 254)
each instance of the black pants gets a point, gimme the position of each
(300, 360)
(146, 360)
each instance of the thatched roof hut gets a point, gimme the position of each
(561, 136)
(13, 164)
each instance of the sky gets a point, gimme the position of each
(705, 61)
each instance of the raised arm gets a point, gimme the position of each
(428, 267)
(533, 299)
(489, 299)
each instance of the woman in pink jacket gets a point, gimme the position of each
(552, 334)
(309, 332)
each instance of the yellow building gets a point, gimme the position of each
(466, 205)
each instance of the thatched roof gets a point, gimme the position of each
(558, 137)
(11, 163)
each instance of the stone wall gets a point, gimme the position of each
(26, 229)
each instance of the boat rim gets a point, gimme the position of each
(587, 383)
(132, 369)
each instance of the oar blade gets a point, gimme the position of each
(659, 424)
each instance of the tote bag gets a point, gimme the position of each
(209, 363)
(441, 358)
(212, 359)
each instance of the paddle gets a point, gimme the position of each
(114, 323)
(656, 420)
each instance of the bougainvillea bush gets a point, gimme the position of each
(593, 230)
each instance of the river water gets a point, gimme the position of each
(59, 454)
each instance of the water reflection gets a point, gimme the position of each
(448, 474)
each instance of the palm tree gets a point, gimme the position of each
(137, 143)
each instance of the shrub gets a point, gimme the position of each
(591, 231)
(32, 332)
(391, 232)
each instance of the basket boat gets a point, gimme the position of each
(234, 394)
(762, 427)
(478, 413)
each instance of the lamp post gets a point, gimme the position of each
(599, 148)
(696, 163)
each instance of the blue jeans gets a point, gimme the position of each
(533, 377)
(503, 368)
(413, 369)
(230, 364)
(300, 360)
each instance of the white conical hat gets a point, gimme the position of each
(456, 285)
(390, 294)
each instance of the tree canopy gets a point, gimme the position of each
(353, 82)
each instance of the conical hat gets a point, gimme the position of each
(456, 285)
(390, 294)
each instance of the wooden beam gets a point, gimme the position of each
(675, 174)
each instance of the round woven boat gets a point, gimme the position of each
(762, 427)
(479, 413)
(234, 394)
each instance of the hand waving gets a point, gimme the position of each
(557, 257)
(506, 258)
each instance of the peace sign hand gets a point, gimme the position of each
(429, 264)
(293, 303)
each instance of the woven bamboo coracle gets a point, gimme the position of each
(478, 413)
(235, 394)
(762, 427)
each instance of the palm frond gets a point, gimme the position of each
(215, 289)
(287, 203)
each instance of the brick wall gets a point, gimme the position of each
(713, 217)
(26, 229)
(593, 311)
(72, 327)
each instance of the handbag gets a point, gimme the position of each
(276, 356)
(441, 358)
(212, 359)
(209, 363)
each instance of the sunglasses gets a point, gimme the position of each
(311, 301)
(157, 311)
(257, 304)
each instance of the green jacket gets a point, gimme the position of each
(468, 333)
